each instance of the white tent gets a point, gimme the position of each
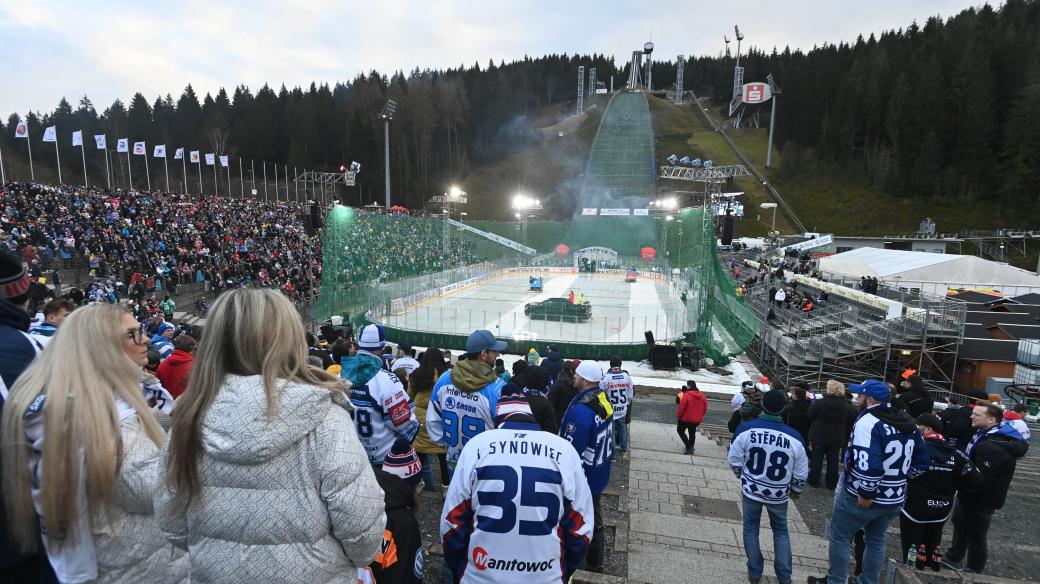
(933, 273)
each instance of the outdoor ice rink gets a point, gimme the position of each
(621, 311)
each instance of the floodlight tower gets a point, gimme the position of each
(726, 38)
(648, 50)
(592, 81)
(387, 115)
(581, 90)
(679, 65)
(526, 207)
(738, 73)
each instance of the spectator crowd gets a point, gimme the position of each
(133, 243)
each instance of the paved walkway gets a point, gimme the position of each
(685, 523)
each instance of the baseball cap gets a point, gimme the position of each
(481, 340)
(748, 386)
(590, 371)
(371, 338)
(874, 388)
(930, 420)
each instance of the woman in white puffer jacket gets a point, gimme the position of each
(81, 455)
(267, 480)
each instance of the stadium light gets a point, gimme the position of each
(772, 226)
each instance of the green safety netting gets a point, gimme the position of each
(358, 275)
(361, 249)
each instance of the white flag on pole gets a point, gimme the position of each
(160, 151)
(123, 145)
(139, 149)
(210, 159)
(194, 156)
(224, 161)
(99, 139)
(50, 134)
(77, 138)
(178, 154)
(21, 130)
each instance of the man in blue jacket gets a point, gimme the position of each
(17, 352)
(885, 450)
(588, 425)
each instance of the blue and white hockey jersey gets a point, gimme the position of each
(588, 424)
(518, 510)
(382, 409)
(885, 450)
(768, 457)
(618, 385)
(455, 416)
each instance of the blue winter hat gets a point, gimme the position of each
(874, 388)
(371, 338)
(166, 327)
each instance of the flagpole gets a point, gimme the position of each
(276, 195)
(184, 171)
(3, 177)
(228, 167)
(241, 182)
(148, 173)
(296, 183)
(129, 168)
(28, 142)
(57, 157)
(265, 181)
(216, 189)
(286, 182)
(108, 171)
(83, 155)
(252, 175)
(200, 174)
(166, 165)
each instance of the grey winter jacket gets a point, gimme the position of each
(125, 544)
(292, 500)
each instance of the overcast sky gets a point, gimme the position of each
(107, 49)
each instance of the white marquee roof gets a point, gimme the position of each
(914, 266)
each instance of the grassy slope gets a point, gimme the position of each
(681, 130)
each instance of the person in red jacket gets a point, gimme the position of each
(173, 372)
(689, 414)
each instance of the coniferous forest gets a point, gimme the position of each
(949, 107)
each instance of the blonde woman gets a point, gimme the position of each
(267, 480)
(828, 421)
(81, 455)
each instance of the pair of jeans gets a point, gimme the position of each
(621, 433)
(846, 518)
(781, 538)
(819, 452)
(687, 427)
(594, 555)
(427, 470)
(970, 530)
